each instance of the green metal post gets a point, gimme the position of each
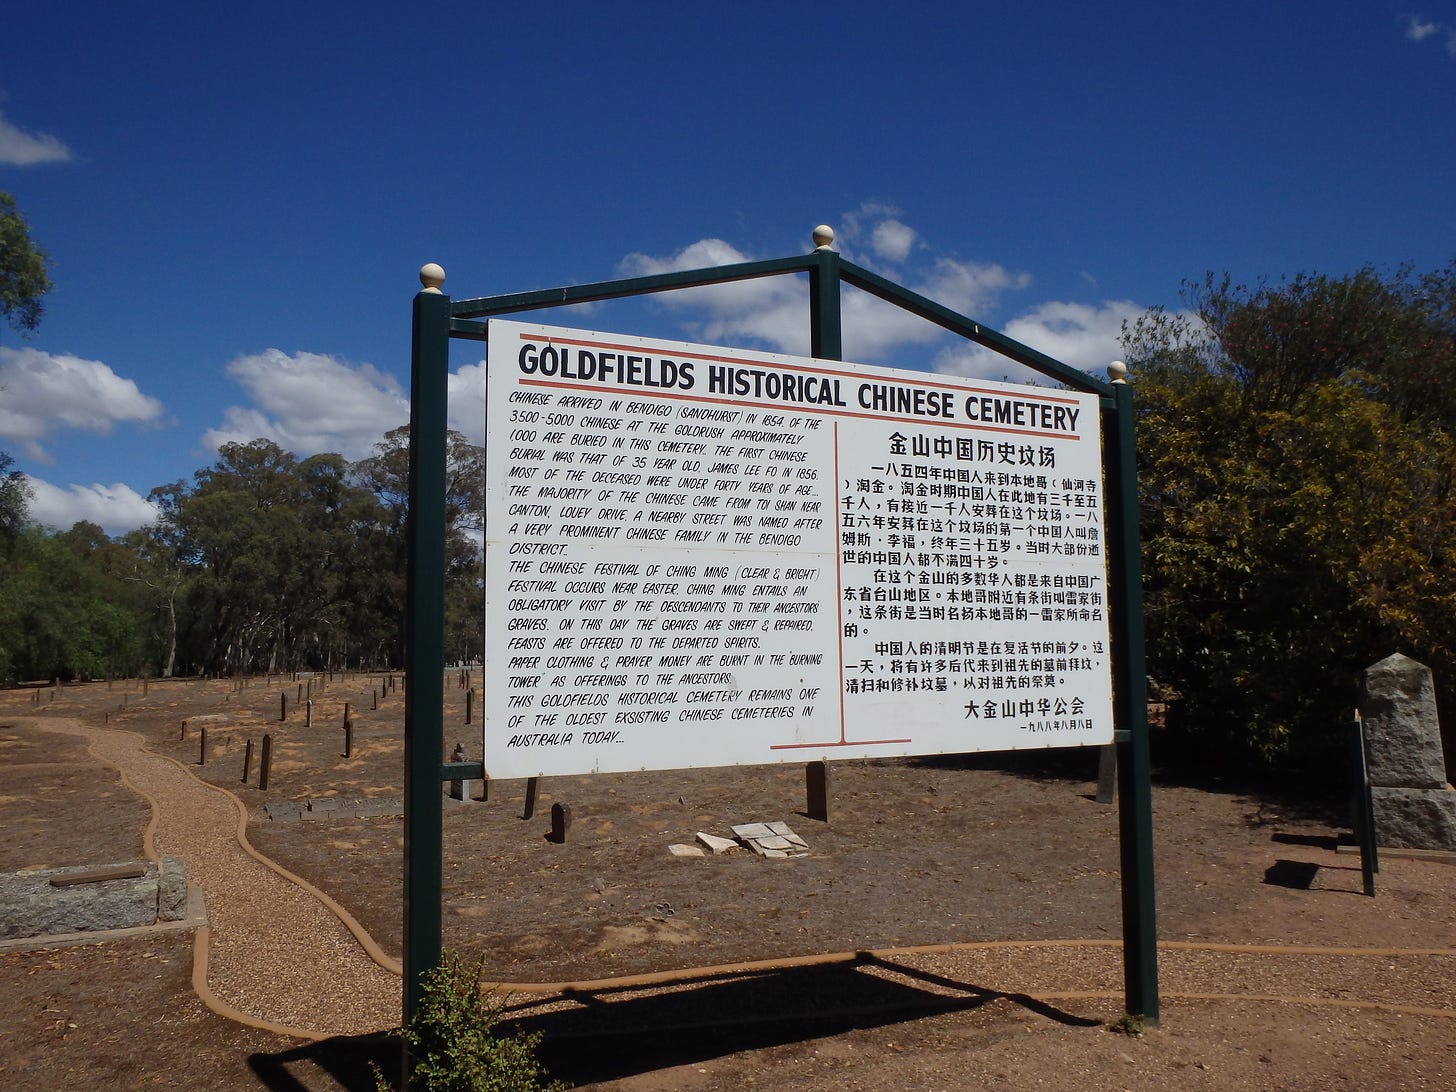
(824, 317)
(424, 730)
(1135, 809)
(1363, 818)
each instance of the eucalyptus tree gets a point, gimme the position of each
(386, 475)
(24, 280)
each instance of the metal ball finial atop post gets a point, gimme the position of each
(823, 237)
(431, 277)
(1117, 372)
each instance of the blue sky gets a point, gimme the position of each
(236, 199)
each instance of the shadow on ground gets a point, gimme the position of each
(347, 1059)
(616, 1032)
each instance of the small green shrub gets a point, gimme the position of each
(1127, 1024)
(455, 1042)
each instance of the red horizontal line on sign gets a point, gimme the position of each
(836, 743)
(818, 370)
(781, 407)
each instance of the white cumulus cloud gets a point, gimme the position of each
(466, 392)
(769, 311)
(1083, 335)
(309, 403)
(773, 312)
(893, 240)
(21, 149)
(49, 391)
(1418, 30)
(116, 508)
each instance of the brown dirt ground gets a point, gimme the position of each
(990, 849)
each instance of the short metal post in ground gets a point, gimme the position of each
(469, 705)
(283, 706)
(1364, 808)
(247, 760)
(265, 765)
(533, 784)
(308, 713)
(816, 779)
(1107, 774)
(202, 747)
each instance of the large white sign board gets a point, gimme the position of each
(701, 556)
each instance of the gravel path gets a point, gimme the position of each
(277, 951)
(281, 954)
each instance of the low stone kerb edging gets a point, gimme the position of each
(129, 895)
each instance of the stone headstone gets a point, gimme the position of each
(1415, 807)
(1398, 705)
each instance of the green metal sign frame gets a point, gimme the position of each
(438, 319)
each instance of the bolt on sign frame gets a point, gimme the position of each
(438, 319)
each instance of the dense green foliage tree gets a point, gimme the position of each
(63, 614)
(1298, 474)
(263, 562)
(386, 475)
(282, 564)
(14, 496)
(13, 499)
(23, 277)
(150, 562)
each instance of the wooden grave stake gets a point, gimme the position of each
(560, 822)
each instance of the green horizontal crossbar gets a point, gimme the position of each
(485, 306)
(462, 771)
